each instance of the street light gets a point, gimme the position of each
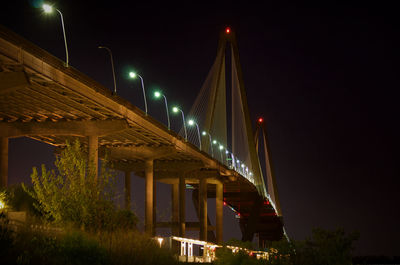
(191, 123)
(221, 147)
(49, 9)
(157, 95)
(209, 137)
(134, 75)
(112, 67)
(175, 110)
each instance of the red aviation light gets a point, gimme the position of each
(224, 203)
(228, 30)
(260, 120)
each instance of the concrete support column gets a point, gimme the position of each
(203, 208)
(219, 211)
(3, 162)
(175, 208)
(127, 190)
(154, 207)
(182, 197)
(93, 152)
(149, 187)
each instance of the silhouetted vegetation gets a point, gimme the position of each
(323, 247)
(75, 196)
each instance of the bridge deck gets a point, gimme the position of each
(42, 99)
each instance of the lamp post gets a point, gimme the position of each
(209, 137)
(134, 75)
(112, 67)
(175, 110)
(48, 9)
(221, 147)
(157, 95)
(191, 123)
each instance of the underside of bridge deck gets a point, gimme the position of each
(42, 99)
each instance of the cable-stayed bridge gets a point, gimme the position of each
(43, 99)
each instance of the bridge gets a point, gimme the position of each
(46, 100)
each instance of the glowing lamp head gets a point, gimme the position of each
(160, 240)
(215, 142)
(204, 133)
(47, 8)
(242, 165)
(260, 120)
(226, 152)
(227, 30)
(221, 147)
(175, 109)
(132, 74)
(191, 122)
(157, 94)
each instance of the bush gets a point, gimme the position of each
(75, 195)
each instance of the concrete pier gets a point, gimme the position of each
(149, 188)
(3, 162)
(203, 208)
(127, 190)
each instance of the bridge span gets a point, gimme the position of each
(42, 99)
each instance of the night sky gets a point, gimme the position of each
(324, 77)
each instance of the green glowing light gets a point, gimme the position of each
(132, 74)
(191, 122)
(175, 109)
(157, 94)
(221, 147)
(215, 142)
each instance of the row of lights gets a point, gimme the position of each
(241, 168)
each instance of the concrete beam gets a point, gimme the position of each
(174, 166)
(72, 128)
(11, 81)
(144, 152)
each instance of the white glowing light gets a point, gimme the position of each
(47, 8)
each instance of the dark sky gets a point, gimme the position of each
(325, 77)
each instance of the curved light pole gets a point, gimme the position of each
(48, 9)
(191, 123)
(112, 67)
(209, 137)
(175, 110)
(157, 95)
(134, 75)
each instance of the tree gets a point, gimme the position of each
(323, 247)
(327, 247)
(74, 195)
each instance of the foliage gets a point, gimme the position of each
(5, 235)
(20, 200)
(3, 200)
(324, 247)
(75, 195)
(127, 247)
(225, 255)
